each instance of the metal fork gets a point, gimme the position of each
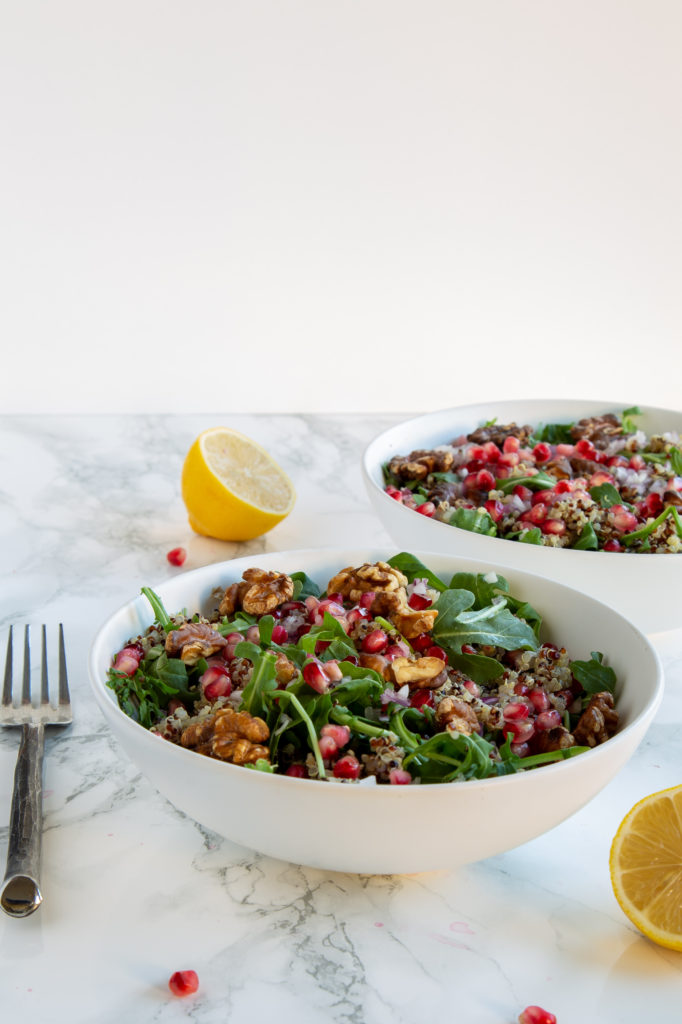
(21, 893)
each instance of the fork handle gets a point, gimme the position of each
(21, 893)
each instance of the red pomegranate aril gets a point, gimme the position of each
(485, 481)
(653, 503)
(436, 652)
(562, 487)
(183, 983)
(511, 444)
(419, 602)
(473, 688)
(127, 661)
(524, 493)
(399, 777)
(612, 545)
(564, 449)
(315, 676)
(398, 650)
(427, 508)
(636, 462)
(375, 642)
(357, 615)
(495, 509)
(279, 634)
(520, 749)
(521, 690)
(367, 599)
(491, 451)
(515, 711)
(297, 771)
(216, 682)
(536, 1015)
(547, 720)
(616, 460)
(339, 733)
(321, 646)
(599, 478)
(542, 452)
(556, 527)
(474, 466)
(234, 638)
(521, 730)
(347, 767)
(394, 493)
(176, 556)
(538, 699)
(421, 697)
(476, 452)
(585, 448)
(421, 642)
(537, 514)
(328, 747)
(542, 497)
(467, 649)
(622, 520)
(507, 461)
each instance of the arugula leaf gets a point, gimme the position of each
(483, 590)
(676, 461)
(531, 536)
(261, 765)
(629, 425)
(538, 482)
(263, 679)
(478, 667)
(588, 540)
(304, 586)
(606, 495)
(160, 614)
(448, 756)
(473, 520)
(501, 629)
(593, 675)
(413, 569)
(646, 531)
(554, 433)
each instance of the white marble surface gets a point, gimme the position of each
(134, 890)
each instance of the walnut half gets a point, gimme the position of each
(259, 592)
(229, 735)
(194, 640)
(598, 721)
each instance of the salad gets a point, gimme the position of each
(599, 484)
(391, 676)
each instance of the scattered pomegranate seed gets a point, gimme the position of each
(176, 556)
(297, 771)
(183, 983)
(127, 661)
(394, 493)
(524, 493)
(585, 448)
(536, 1015)
(538, 699)
(515, 711)
(507, 461)
(477, 452)
(473, 688)
(421, 642)
(521, 690)
(553, 526)
(347, 767)
(427, 508)
(467, 649)
(548, 720)
(521, 730)
(600, 477)
(613, 545)
(495, 509)
(485, 481)
(399, 777)
(315, 676)
(367, 599)
(511, 444)
(339, 733)
(328, 747)
(216, 682)
(562, 487)
(491, 451)
(279, 634)
(542, 497)
(637, 462)
(419, 602)
(622, 520)
(421, 697)
(542, 452)
(436, 652)
(375, 642)
(565, 449)
(537, 514)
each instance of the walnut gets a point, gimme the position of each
(377, 663)
(498, 433)
(410, 622)
(558, 738)
(260, 591)
(457, 716)
(418, 464)
(285, 670)
(389, 587)
(598, 429)
(194, 640)
(229, 735)
(421, 674)
(598, 721)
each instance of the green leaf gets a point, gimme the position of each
(304, 586)
(606, 495)
(539, 482)
(413, 569)
(263, 679)
(676, 461)
(629, 425)
(261, 765)
(483, 590)
(588, 540)
(473, 520)
(531, 536)
(160, 614)
(478, 667)
(593, 675)
(265, 626)
(501, 629)
(554, 433)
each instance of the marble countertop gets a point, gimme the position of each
(134, 890)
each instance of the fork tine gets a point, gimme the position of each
(26, 687)
(7, 686)
(44, 692)
(64, 697)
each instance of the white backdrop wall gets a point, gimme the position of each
(304, 205)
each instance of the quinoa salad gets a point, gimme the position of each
(390, 675)
(599, 484)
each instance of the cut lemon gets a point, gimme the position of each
(232, 488)
(646, 866)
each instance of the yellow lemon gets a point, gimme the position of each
(646, 866)
(232, 488)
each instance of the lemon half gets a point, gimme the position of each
(646, 866)
(232, 488)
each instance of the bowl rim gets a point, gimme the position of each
(109, 706)
(371, 466)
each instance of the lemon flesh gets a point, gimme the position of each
(646, 866)
(232, 488)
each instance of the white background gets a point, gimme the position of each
(265, 205)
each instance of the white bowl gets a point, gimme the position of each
(386, 829)
(647, 589)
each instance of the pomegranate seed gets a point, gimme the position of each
(357, 615)
(637, 462)
(521, 730)
(485, 481)
(398, 650)
(279, 634)
(600, 477)
(565, 449)
(321, 646)
(622, 520)
(538, 699)
(585, 448)
(536, 1015)
(515, 711)
(521, 690)
(616, 460)
(520, 749)
(507, 461)
(477, 453)
(542, 497)
(183, 983)
(491, 451)
(419, 602)
(421, 697)
(176, 556)
(473, 688)
(328, 746)
(427, 508)
(511, 444)
(466, 649)
(654, 504)
(554, 526)
(562, 487)
(394, 493)
(339, 733)
(375, 642)
(537, 514)
(216, 682)
(314, 675)
(436, 652)
(367, 599)
(332, 671)
(548, 720)
(399, 777)
(474, 466)
(524, 493)
(495, 509)
(612, 545)
(127, 661)
(297, 771)
(421, 642)
(174, 705)
(347, 767)
(542, 452)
